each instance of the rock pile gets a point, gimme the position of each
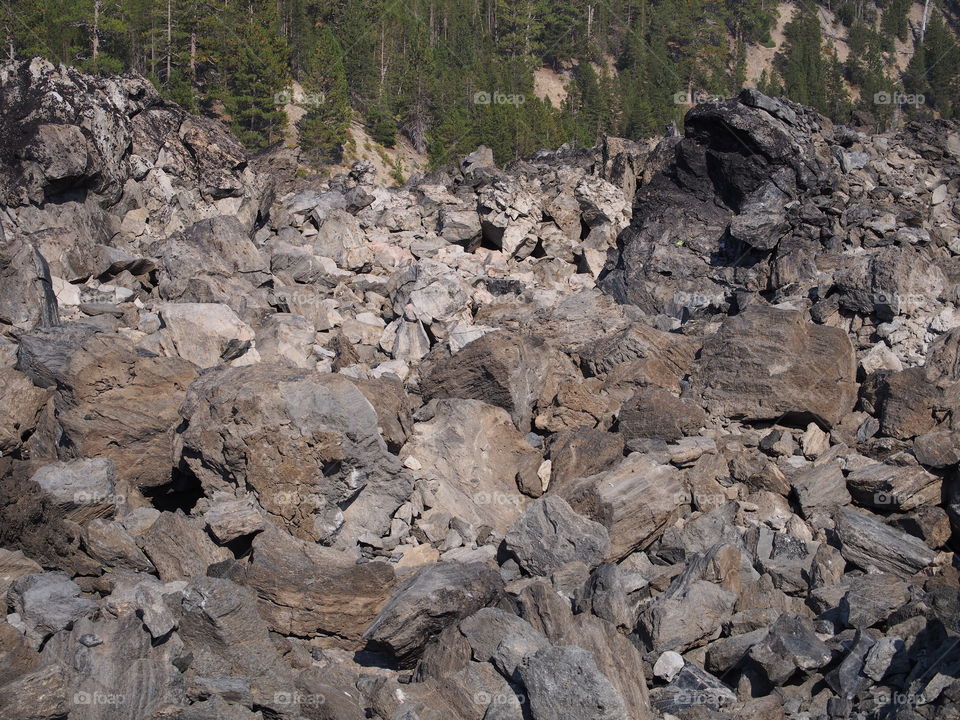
(642, 431)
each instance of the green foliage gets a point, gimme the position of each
(413, 70)
(323, 129)
(801, 61)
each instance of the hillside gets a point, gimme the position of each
(440, 77)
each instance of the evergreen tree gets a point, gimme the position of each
(323, 129)
(802, 62)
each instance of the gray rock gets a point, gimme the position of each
(501, 638)
(767, 362)
(790, 646)
(868, 543)
(550, 533)
(564, 683)
(48, 603)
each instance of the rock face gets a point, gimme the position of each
(306, 445)
(653, 429)
(766, 363)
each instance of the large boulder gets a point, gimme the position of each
(432, 599)
(503, 369)
(549, 534)
(472, 456)
(306, 445)
(767, 363)
(112, 400)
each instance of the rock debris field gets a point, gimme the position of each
(650, 430)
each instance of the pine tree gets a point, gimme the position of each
(802, 61)
(323, 129)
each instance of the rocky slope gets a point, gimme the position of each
(635, 432)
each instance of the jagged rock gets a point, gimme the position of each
(565, 682)
(791, 645)
(868, 543)
(582, 452)
(473, 456)
(308, 590)
(655, 413)
(235, 433)
(21, 402)
(432, 599)
(501, 638)
(550, 533)
(889, 486)
(500, 369)
(201, 332)
(83, 489)
(634, 501)
(767, 363)
(230, 519)
(112, 401)
(110, 544)
(164, 541)
(48, 603)
(27, 299)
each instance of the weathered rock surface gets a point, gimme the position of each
(491, 444)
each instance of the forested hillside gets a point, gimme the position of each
(450, 74)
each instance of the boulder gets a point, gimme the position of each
(305, 445)
(564, 683)
(434, 598)
(767, 363)
(634, 500)
(501, 369)
(549, 534)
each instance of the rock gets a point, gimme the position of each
(474, 455)
(164, 542)
(564, 682)
(13, 565)
(27, 300)
(432, 599)
(889, 486)
(48, 603)
(655, 413)
(111, 545)
(692, 687)
(821, 488)
(668, 665)
(308, 590)
(582, 452)
(22, 402)
(872, 598)
(83, 489)
(202, 332)
(687, 617)
(790, 646)
(230, 519)
(500, 369)
(549, 534)
(868, 543)
(939, 449)
(326, 452)
(634, 500)
(501, 638)
(114, 402)
(768, 363)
